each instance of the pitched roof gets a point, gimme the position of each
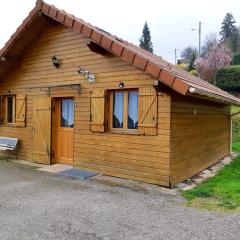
(177, 79)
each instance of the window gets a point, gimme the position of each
(11, 109)
(67, 113)
(124, 110)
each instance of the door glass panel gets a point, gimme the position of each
(118, 98)
(132, 110)
(67, 113)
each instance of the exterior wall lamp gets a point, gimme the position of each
(55, 61)
(121, 85)
(89, 76)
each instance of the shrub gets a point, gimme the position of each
(193, 72)
(220, 56)
(183, 66)
(228, 78)
(236, 59)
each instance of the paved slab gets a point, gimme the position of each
(55, 168)
(36, 205)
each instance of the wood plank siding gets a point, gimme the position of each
(200, 136)
(144, 158)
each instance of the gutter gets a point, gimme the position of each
(192, 91)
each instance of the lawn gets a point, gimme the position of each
(221, 192)
(236, 146)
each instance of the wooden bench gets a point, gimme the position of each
(8, 144)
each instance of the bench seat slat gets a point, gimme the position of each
(8, 143)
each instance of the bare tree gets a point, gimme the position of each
(211, 41)
(188, 52)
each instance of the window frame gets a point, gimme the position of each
(125, 128)
(13, 110)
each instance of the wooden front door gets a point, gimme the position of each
(42, 130)
(63, 130)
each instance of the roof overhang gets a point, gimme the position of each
(210, 96)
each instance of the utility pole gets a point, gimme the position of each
(175, 54)
(200, 35)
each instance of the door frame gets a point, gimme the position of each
(53, 128)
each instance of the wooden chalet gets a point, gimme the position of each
(75, 94)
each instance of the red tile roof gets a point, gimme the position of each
(177, 79)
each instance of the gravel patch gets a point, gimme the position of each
(36, 206)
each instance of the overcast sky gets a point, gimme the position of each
(170, 21)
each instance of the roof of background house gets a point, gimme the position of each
(177, 79)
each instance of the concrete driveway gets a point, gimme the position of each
(37, 205)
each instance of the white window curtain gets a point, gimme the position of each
(118, 110)
(132, 110)
(67, 119)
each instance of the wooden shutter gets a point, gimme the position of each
(2, 109)
(97, 110)
(147, 111)
(20, 110)
(42, 130)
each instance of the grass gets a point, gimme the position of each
(236, 146)
(234, 67)
(221, 192)
(2, 157)
(235, 109)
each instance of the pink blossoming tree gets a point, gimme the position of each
(218, 57)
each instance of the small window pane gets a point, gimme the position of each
(132, 110)
(10, 109)
(118, 98)
(67, 113)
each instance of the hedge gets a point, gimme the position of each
(236, 59)
(236, 125)
(228, 78)
(236, 129)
